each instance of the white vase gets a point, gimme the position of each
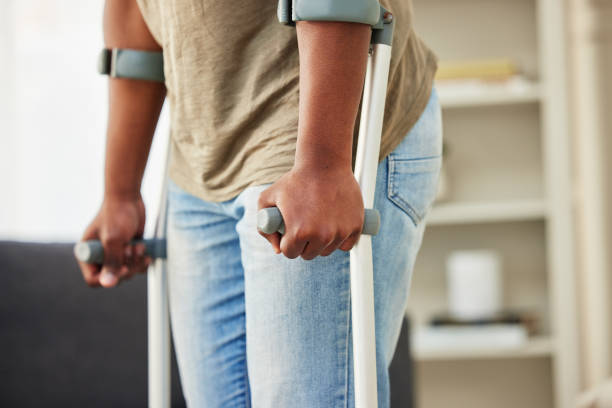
(474, 284)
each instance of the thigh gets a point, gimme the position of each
(297, 322)
(299, 343)
(206, 301)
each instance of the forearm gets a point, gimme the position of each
(134, 105)
(332, 68)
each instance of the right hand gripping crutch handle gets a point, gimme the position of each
(270, 220)
(92, 251)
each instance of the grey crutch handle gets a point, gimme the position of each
(270, 220)
(92, 251)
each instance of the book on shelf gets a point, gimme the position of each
(452, 89)
(487, 78)
(493, 69)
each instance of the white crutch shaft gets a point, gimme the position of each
(362, 283)
(158, 313)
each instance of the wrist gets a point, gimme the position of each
(322, 166)
(325, 152)
(324, 162)
(120, 183)
(119, 195)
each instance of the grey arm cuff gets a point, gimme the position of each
(132, 64)
(354, 11)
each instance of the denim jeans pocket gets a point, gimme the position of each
(412, 184)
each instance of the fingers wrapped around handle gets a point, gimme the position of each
(270, 220)
(92, 251)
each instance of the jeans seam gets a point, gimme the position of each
(394, 157)
(390, 171)
(393, 196)
(396, 199)
(402, 204)
(346, 346)
(247, 394)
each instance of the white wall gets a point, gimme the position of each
(52, 128)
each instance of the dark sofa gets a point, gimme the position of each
(63, 344)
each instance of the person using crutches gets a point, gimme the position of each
(264, 116)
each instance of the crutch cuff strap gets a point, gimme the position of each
(355, 11)
(132, 64)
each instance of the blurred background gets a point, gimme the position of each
(510, 301)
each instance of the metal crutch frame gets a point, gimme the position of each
(366, 165)
(269, 220)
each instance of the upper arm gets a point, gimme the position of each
(125, 27)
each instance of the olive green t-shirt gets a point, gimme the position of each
(232, 78)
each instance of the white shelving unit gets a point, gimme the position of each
(536, 347)
(457, 96)
(480, 212)
(508, 168)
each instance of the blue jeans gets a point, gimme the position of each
(253, 328)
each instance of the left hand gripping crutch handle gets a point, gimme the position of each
(270, 220)
(92, 251)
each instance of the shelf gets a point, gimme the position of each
(481, 212)
(458, 94)
(535, 347)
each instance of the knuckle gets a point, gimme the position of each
(327, 237)
(334, 245)
(347, 245)
(344, 233)
(112, 261)
(285, 248)
(111, 239)
(290, 255)
(290, 252)
(312, 250)
(330, 250)
(302, 234)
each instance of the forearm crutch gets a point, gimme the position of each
(366, 165)
(157, 299)
(270, 220)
